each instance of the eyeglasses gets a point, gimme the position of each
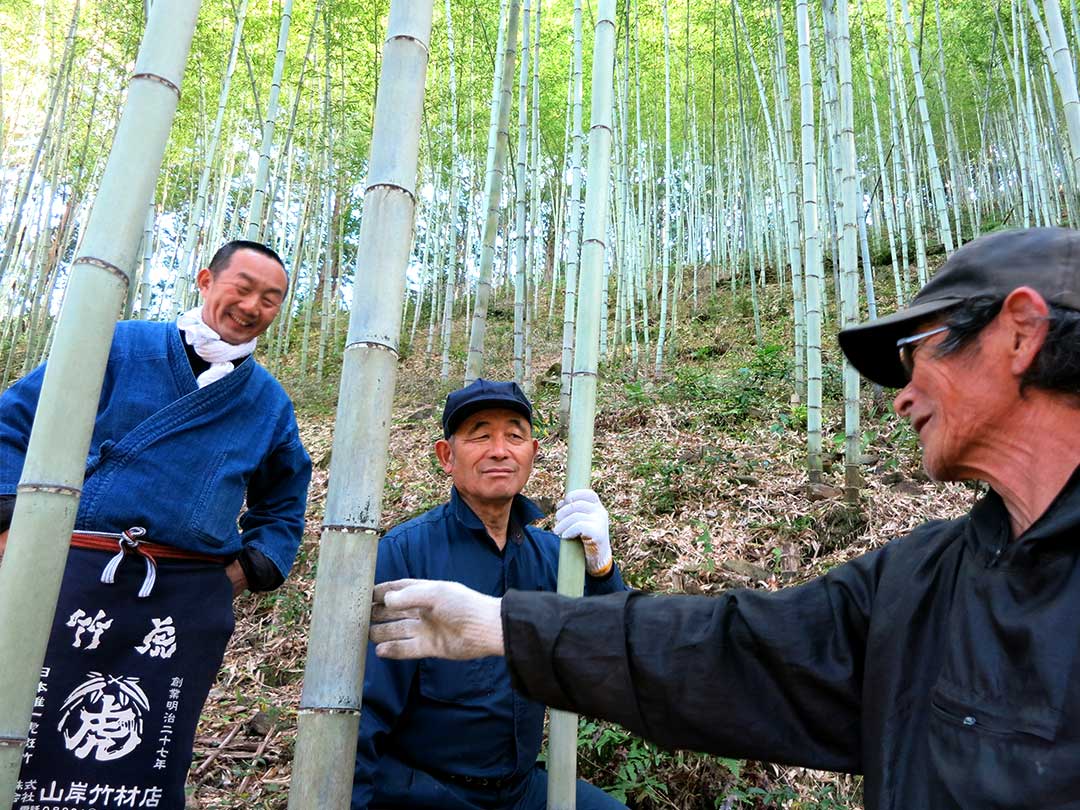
(908, 345)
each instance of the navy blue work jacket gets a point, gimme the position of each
(454, 717)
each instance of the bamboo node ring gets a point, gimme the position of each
(372, 344)
(54, 489)
(354, 529)
(326, 710)
(409, 38)
(394, 186)
(14, 742)
(93, 261)
(154, 77)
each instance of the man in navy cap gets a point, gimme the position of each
(454, 735)
(942, 666)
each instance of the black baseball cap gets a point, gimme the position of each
(481, 394)
(1045, 259)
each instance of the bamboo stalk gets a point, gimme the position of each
(33, 565)
(813, 249)
(195, 220)
(521, 188)
(665, 223)
(452, 208)
(498, 140)
(937, 186)
(262, 171)
(562, 748)
(573, 226)
(849, 215)
(334, 675)
(1066, 83)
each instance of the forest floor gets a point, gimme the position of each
(703, 474)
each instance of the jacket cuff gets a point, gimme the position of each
(7, 509)
(259, 570)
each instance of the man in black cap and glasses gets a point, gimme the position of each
(450, 735)
(945, 666)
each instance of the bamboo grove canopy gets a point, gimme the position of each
(916, 125)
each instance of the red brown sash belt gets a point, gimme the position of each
(102, 541)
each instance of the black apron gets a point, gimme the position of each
(129, 664)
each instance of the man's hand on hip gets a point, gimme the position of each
(581, 515)
(236, 576)
(415, 618)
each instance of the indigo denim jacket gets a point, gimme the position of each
(176, 459)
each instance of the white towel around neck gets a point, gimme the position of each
(210, 347)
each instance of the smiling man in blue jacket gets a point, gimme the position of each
(454, 735)
(189, 427)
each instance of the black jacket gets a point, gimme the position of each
(943, 666)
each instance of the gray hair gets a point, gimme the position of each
(1055, 368)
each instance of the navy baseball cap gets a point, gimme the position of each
(1045, 259)
(481, 394)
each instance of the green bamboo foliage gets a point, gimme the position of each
(334, 675)
(563, 726)
(32, 568)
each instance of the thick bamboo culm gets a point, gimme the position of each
(52, 477)
(562, 747)
(334, 675)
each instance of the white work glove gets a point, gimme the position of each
(417, 618)
(581, 515)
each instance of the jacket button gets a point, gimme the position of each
(969, 720)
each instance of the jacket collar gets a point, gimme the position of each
(185, 376)
(522, 512)
(1057, 525)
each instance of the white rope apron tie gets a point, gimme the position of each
(129, 540)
